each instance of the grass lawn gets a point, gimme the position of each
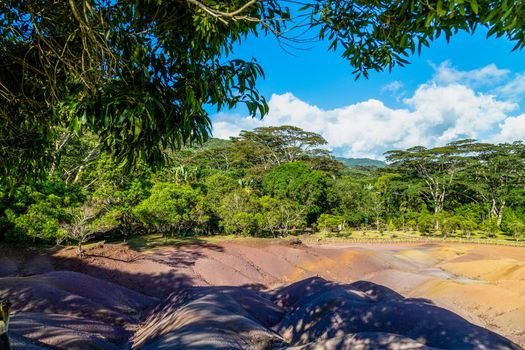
(152, 242)
(404, 236)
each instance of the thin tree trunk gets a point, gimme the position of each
(80, 250)
(493, 209)
(437, 209)
(500, 213)
(4, 324)
(59, 144)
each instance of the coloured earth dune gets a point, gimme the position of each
(267, 294)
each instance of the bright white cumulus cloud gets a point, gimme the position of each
(444, 109)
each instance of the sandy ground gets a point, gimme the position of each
(117, 298)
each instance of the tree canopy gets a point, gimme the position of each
(462, 189)
(139, 74)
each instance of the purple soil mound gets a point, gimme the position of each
(110, 295)
(289, 297)
(61, 331)
(258, 307)
(327, 310)
(18, 342)
(75, 294)
(211, 318)
(70, 310)
(310, 314)
(365, 341)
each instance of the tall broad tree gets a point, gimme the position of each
(437, 167)
(271, 146)
(496, 172)
(297, 182)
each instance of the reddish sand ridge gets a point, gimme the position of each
(483, 284)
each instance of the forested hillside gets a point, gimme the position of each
(266, 182)
(356, 162)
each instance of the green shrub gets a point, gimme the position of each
(513, 224)
(516, 228)
(329, 222)
(40, 223)
(426, 223)
(246, 224)
(171, 208)
(490, 227)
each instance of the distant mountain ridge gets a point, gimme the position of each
(356, 162)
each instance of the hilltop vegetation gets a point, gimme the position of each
(361, 162)
(269, 182)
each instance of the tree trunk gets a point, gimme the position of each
(493, 209)
(80, 250)
(437, 209)
(4, 324)
(500, 213)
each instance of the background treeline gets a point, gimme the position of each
(268, 182)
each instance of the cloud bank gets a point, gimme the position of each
(452, 105)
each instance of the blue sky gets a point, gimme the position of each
(471, 87)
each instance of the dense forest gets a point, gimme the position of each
(268, 182)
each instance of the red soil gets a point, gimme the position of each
(168, 297)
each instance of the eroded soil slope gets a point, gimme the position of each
(189, 294)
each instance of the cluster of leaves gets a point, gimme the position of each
(378, 35)
(271, 181)
(138, 74)
(142, 74)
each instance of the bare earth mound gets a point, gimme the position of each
(260, 294)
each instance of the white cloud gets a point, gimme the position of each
(512, 129)
(515, 87)
(435, 114)
(394, 86)
(445, 73)
(228, 125)
(456, 111)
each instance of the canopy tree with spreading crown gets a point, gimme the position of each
(139, 73)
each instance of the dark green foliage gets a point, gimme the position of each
(425, 221)
(239, 213)
(297, 182)
(220, 187)
(330, 222)
(35, 212)
(378, 35)
(171, 208)
(136, 73)
(361, 162)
